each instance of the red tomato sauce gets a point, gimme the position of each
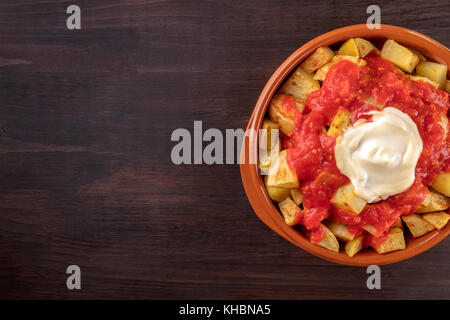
(360, 89)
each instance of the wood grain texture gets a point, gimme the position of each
(85, 170)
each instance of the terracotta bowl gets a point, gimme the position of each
(251, 178)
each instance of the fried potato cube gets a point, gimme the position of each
(277, 194)
(300, 84)
(419, 78)
(437, 219)
(284, 117)
(442, 183)
(341, 231)
(349, 48)
(364, 47)
(399, 55)
(417, 225)
(297, 196)
(329, 240)
(395, 241)
(436, 72)
(345, 198)
(322, 72)
(268, 125)
(321, 56)
(265, 146)
(370, 229)
(341, 122)
(433, 202)
(283, 176)
(354, 246)
(447, 86)
(289, 211)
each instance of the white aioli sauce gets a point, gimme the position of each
(380, 157)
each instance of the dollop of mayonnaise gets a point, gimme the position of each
(380, 157)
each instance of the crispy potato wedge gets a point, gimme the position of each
(276, 193)
(442, 183)
(399, 55)
(322, 71)
(395, 241)
(283, 176)
(341, 231)
(341, 122)
(417, 225)
(364, 47)
(289, 211)
(345, 198)
(436, 72)
(437, 219)
(424, 79)
(284, 117)
(349, 48)
(321, 56)
(354, 246)
(329, 241)
(433, 202)
(300, 84)
(297, 196)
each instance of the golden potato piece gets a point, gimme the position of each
(364, 47)
(329, 240)
(289, 210)
(370, 229)
(284, 117)
(341, 122)
(433, 202)
(442, 183)
(321, 56)
(447, 86)
(349, 48)
(341, 231)
(276, 193)
(436, 72)
(282, 176)
(419, 78)
(395, 241)
(268, 125)
(265, 146)
(354, 246)
(417, 225)
(322, 72)
(297, 196)
(345, 198)
(400, 56)
(437, 219)
(300, 84)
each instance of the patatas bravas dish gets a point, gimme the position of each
(362, 157)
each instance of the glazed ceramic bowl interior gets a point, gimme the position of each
(251, 178)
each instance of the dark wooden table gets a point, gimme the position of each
(86, 176)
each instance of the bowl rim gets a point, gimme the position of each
(251, 178)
